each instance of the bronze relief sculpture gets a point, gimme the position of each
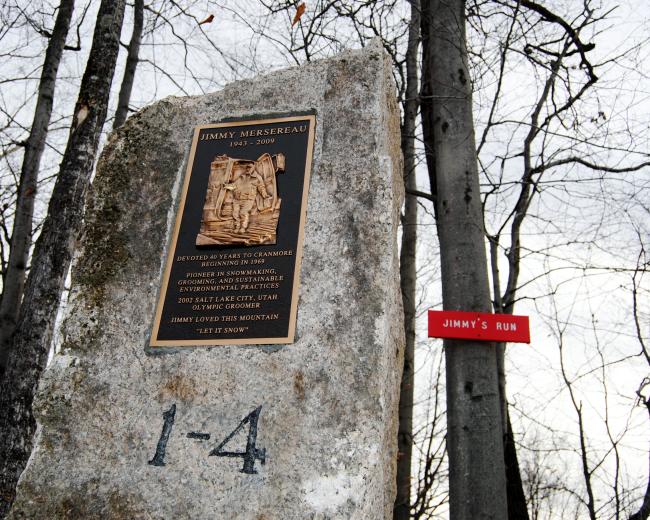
(241, 206)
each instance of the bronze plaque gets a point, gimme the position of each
(233, 266)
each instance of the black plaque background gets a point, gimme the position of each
(290, 189)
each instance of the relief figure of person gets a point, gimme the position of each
(244, 192)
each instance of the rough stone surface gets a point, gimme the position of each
(329, 400)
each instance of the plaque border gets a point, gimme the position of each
(156, 343)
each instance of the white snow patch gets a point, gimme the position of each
(329, 492)
(64, 360)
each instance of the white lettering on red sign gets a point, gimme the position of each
(480, 326)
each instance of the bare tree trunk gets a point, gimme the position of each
(517, 507)
(426, 98)
(131, 64)
(401, 510)
(644, 510)
(477, 481)
(53, 252)
(21, 236)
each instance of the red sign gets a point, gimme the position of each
(479, 326)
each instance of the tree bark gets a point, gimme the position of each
(401, 510)
(517, 507)
(53, 252)
(131, 64)
(21, 235)
(644, 510)
(477, 481)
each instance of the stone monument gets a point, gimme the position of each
(173, 395)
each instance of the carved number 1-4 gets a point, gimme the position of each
(252, 453)
(168, 418)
